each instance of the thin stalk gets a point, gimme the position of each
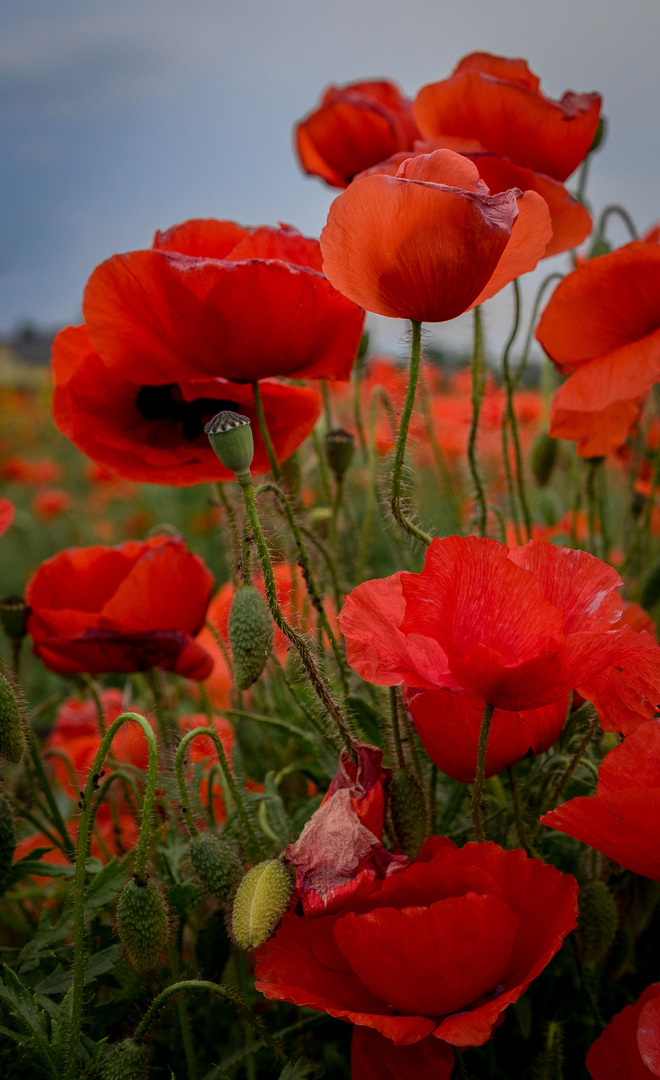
(574, 762)
(56, 816)
(160, 711)
(323, 467)
(96, 698)
(540, 293)
(593, 467)
(518, 813)
(583, 176)
(378, 394)
(327, 411)
(614, 210)
(336, 507)
(219, 492)
(396, 729)
(436, 450)
(478, 786)
(357, 402)
(399, 454)
(263, 429)
(182, 1009)
(478, 385)
(408, 738)
(510, 382)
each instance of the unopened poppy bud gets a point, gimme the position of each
(250, 635)
(216, 863)
(143, 924)
(260, 902)
(600, 135)
(12, 739)
(14, 613)
(128, 1060)
(598, 920)
(409, 814)
(339, 450)
(230, 435)
(7, 841)
(544, 458)
(651, 588)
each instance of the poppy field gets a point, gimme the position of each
(330, 680)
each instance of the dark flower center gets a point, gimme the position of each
(166, 403)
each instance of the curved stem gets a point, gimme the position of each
(357, 402)
(263, 429)
(327, 558)
(478, 384)
(478, 786)
(614, 210)
(510, 382)
(540, 293)
(400, 451)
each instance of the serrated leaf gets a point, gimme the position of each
(59, 980)
(182, 896)
(30, 1018)
(60, 1032)
(105, 885)
(48, 932)
(273, 817)
(303, 1068)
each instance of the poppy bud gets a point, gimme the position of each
(260, 902)
(7, 841)
(409, 814)
(230, 435)
(12, 739)
(544, 458)
(142, 924)
(598, 919)
(339, 450)
(14, 614)
(250, 635)
(127, 1060)
(651, 588)
(216, 863)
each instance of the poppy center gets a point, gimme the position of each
(167, 403)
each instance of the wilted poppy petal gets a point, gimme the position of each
(376, 1058)
(615, 1055)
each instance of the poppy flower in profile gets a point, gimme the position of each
(440, 948)
(154, 432)
(353, 127)
(630, 1044)
(7, 509)
(494, 104)
(430, 242)
(601, 327)
(621, 819)
(127, 608)
(518, 627)
(213, 299)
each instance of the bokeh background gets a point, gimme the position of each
(118, 117)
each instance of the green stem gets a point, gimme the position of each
(593, 467)
(614, 210)
(182, 1010)
(574, 762)
(436, 450)
(510, 382)
(336, 507)
(540, 293)
(396, 497)
(323, 468)
(246, 547)
(96, 698)
(327, 558)
(160, 711)
(56, 816)
(396, 730)
(477, 788)
(263, 429)
(518, 813)
(81, 863)
(357, 401)
(478, 385)
(219, 491)
(327, 411)
(299, 643)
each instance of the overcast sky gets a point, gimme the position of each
(118, 117)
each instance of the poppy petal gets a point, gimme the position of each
(376, 1058)
(616, 1053)
(530, 236)
(627, 691)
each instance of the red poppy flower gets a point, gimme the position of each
(153, 432)
(494, 104)
(353, 127)
(621, 820)
(127, 608)
(519, 627)
(215, 300)
(6, 514)
(630, 1045)
(601, 327)
(373, 1057)
(440, 948)
(430, 242)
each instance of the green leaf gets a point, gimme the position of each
(59, 980)
(23, 1007)
(105, 885)
(60, 1032)
(302, 1068)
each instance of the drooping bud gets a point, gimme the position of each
(142, 924)
(260, 902)
(128, 1060)
(7, 841)
(250, 635)
(339, 450)
(651, 588)
(216, 863)
(14, 614)
(409, 814)
(12, 738)
(230, 435)
(544, 458)
(598, 919)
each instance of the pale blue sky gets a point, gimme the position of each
(118, 117)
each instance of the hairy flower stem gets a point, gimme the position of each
(299, 643)
(81, 863)
(220, 496)
(478, 386)
(322, 464)
(478, 786)
(518, 813)
(509, 419)
(396, 729)
(310, 581)
(540, 293)
(263, 429)
(396, 497)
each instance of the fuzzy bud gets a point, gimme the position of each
(142, 924)
(7, 841)
(250, 635)
(260, 902)
(598, 920)
(544, 458)
(12, 738)
(339, 450)
(127, 1060)
(216, 864)
(230, 435)
(14, 614)
(409, 814)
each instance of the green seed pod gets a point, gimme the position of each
(409, 814)
(544, 458)
(12, 739)
(339, 450)
(213, 946)
(230, 435)
(7, 841)
(14, 614)
(127, 1060)
(250, 635)
(216, 864)
(550, 1062)
(598, 919)
(260, 902)
(142, 924)
(651, 588)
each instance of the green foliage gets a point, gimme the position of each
(7, 842)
